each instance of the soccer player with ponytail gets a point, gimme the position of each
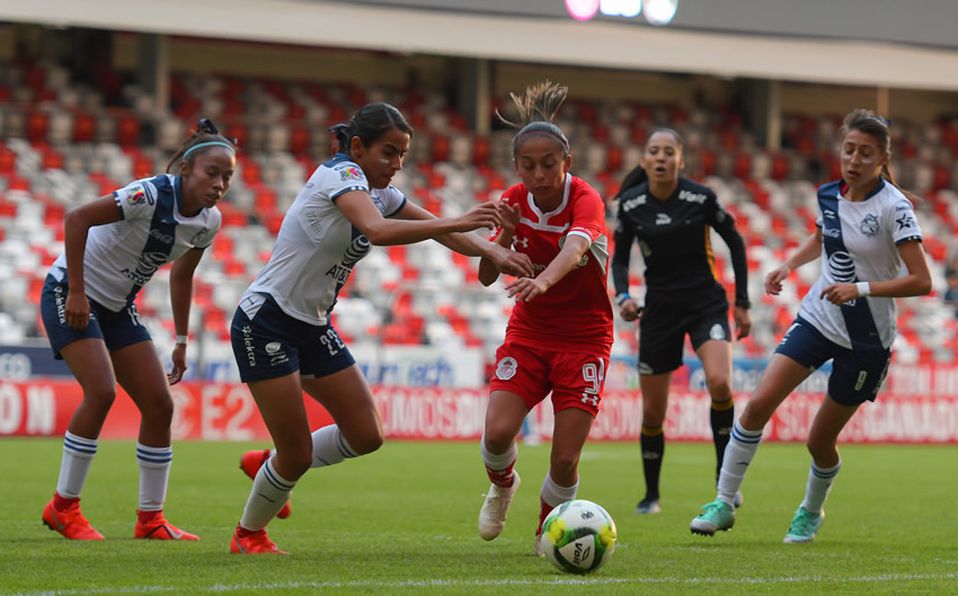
(113, 246)
(282, 339)
(560, 333)
(866, 232)
(671, 217)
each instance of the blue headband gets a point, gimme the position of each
(208, 144)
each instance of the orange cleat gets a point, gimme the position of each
(69, 522)
(248, 542)
(151, 525)
(250, 463)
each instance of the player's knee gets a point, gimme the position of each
(158, 409)
(499, 437)
(99, 398)
(820, 448)
(367, 442)
(719, 387)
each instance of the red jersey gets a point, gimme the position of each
(574, 315)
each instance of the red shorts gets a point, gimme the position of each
(575, 380)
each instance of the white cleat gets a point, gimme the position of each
(537, 548)
(492, 516)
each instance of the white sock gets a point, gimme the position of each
(738, 455)
(554, 495)
(498, 461)
(330, 447)
(269, 493)
(77, 456)
(154, 475)
(819, 482)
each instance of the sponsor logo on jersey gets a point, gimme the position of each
(146, 266)
(832, 232)
(506, 368)
(906, 221)
(869, 225)
(165, 238)
(828, 214)
(350, 173)
(692, 197)
(662, 219)
(634, 202)
(200, 237)
(842, 267)
(136, 196)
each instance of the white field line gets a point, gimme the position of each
(478, 583)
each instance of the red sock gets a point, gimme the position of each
(503, 478)
(243, 532)
(146, 517)
(544, 510)
(63, 503)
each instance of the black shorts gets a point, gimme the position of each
(272, 344)
(857, 375)
(116, 329)
(663, 328)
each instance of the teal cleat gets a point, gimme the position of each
(804, 526)
(715, 516)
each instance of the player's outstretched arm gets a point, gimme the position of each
(363, 214)
(527, 288)
(807, 252)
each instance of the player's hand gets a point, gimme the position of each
(630, 310)
(840, 293)
(510, 262)
(484, 215)
(509, 217)
(525, 289)
(77, 310)
(179, 364)
(743, 322)
(774, 279)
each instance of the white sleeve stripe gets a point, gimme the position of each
(578, 232)
(343, 191)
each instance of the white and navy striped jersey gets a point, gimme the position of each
(121, 257)
(317, 247)
(859, 243)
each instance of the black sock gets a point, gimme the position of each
(653, 449)
(722, 421)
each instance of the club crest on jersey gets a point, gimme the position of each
(717, 332)
(136, 196)
(869, 225)
(506, 369)
(350, 173)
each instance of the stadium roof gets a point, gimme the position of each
(547, 40)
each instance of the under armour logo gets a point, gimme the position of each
(523, 242)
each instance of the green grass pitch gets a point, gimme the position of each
(403, 520)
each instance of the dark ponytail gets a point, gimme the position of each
(370, 124)
(205, 134)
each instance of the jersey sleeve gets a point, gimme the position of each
(724, 223)
(393, 201)
(136, 200)
(345, 177)
(902, 222)
(205, 239)
(588, 215)
(624, 239)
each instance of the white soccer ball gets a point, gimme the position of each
(578, 536)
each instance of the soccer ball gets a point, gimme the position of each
(578, 536)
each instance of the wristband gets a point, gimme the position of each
(864, 289)
(181, 340)
(621, 298)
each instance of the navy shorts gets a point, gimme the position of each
(663, 328)
(857, 375)
(272, 344)
(116, 329)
